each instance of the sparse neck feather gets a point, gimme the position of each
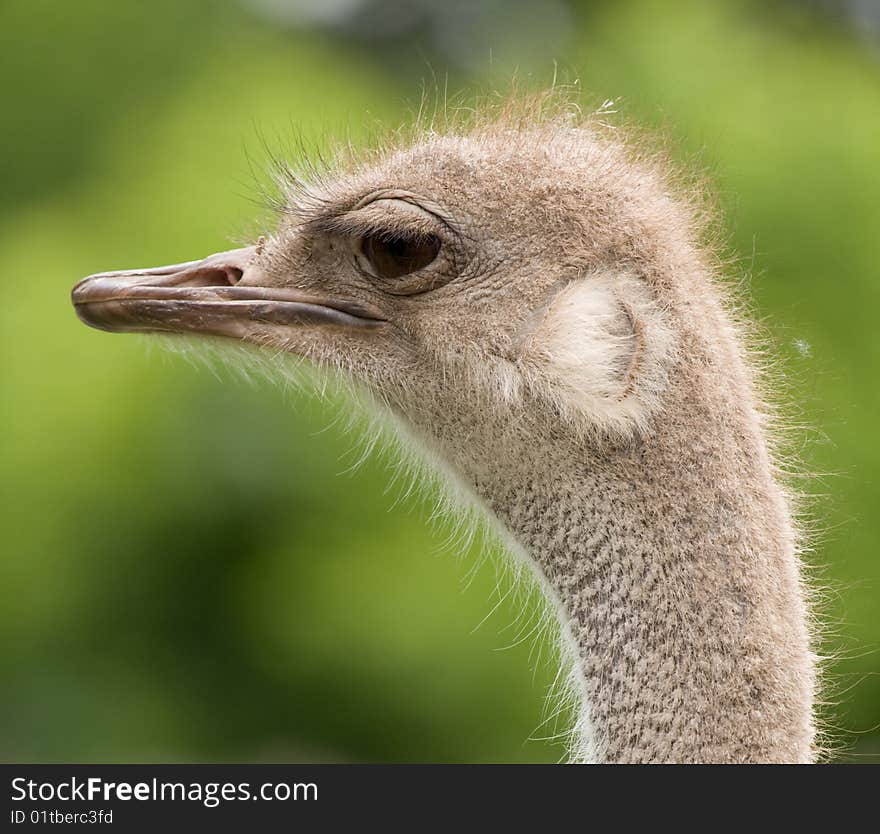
(673, 565)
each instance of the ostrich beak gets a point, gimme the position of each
(205, 297)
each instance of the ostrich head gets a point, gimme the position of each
(513, 264)
(530, 300)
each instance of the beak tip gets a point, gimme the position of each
(77, 292)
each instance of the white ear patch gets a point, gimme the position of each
(600, 351)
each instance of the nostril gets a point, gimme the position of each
(233, 275)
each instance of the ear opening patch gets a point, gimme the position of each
(600, 350)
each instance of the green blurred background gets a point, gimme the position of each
(188, 573)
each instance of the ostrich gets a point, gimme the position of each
(530, 300)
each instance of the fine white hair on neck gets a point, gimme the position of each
(418, 473)
(538, 620)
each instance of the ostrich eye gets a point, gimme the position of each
(392, 256)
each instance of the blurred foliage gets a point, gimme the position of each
(185, 574)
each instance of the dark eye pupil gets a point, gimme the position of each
(392, 257)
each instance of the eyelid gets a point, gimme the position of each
(422, 203)
(367, 217)
(383, 220)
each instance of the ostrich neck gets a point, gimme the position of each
(673, 568)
